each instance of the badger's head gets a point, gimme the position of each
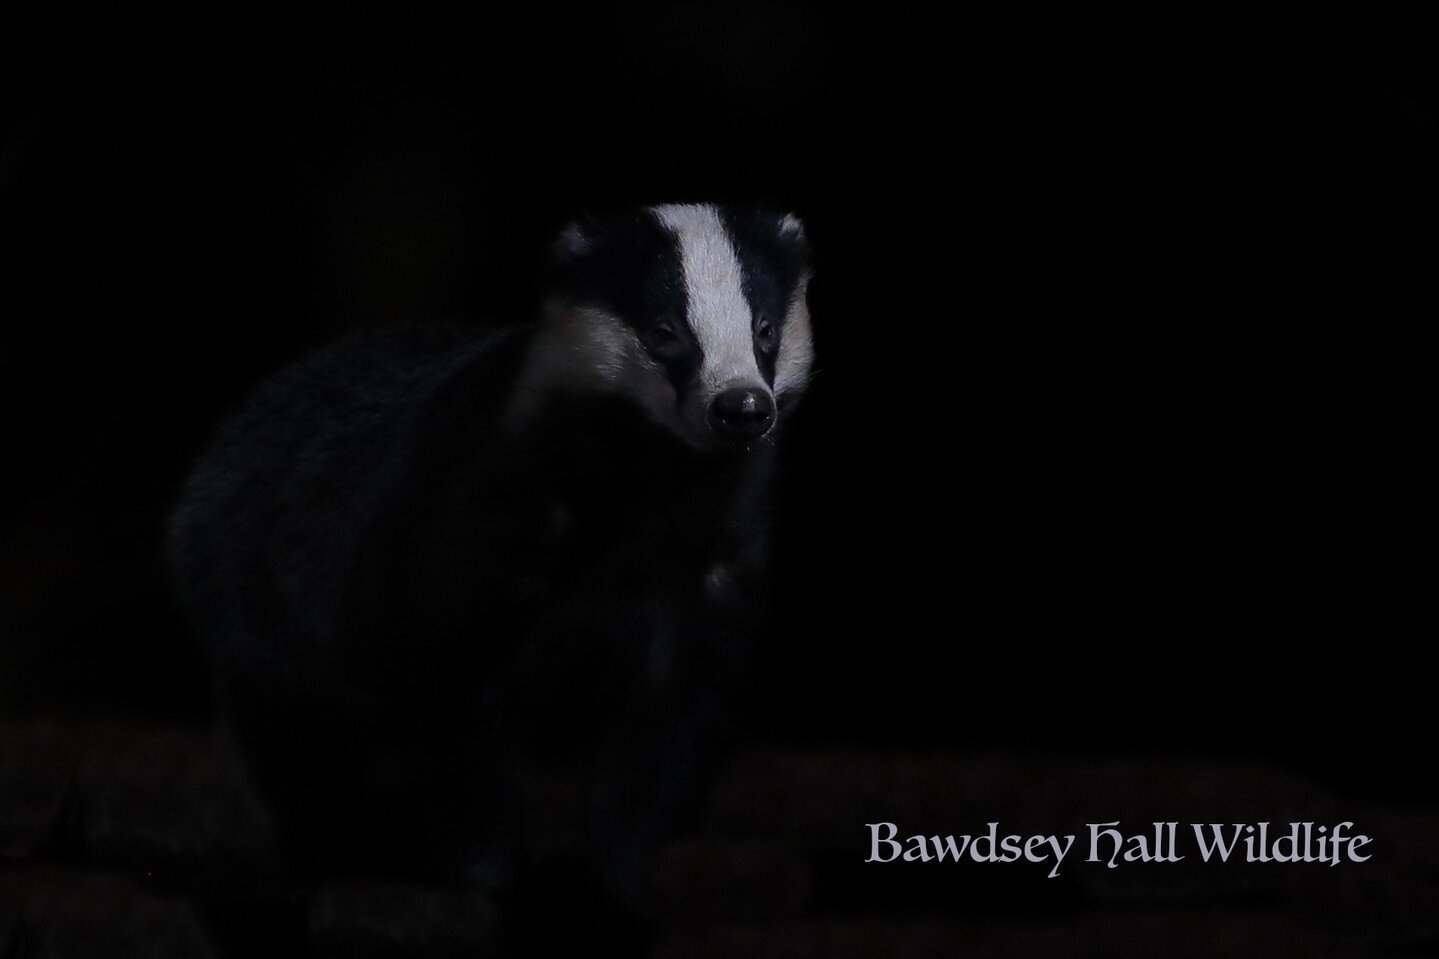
(695, 313)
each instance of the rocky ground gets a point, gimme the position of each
(140, 839)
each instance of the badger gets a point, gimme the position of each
(428, 562)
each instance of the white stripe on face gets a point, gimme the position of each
(719, 314)
(796, 350)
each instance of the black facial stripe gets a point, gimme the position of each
(629, 264)
(771, 264)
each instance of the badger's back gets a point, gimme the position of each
(275, 516)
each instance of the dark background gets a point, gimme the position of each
(1113, 455)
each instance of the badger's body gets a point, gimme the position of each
(425, 561)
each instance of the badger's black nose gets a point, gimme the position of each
(741, 414)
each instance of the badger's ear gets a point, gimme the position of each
(792, 229)
(573, 242)
(792, 238)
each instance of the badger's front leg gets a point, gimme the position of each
(648, 778)
(654, 763)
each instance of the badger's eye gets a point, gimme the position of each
(764, 332)
(662, 336)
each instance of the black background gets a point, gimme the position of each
(1115, 444)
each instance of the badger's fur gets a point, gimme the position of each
(426, 561)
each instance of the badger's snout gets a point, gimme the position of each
(744, 413)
